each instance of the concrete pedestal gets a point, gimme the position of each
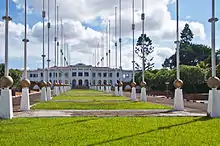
(143, 95)
(102, 88)
(120, 91)
(116, 91)
(178, 100)
(6, 106)
(214, 103)
(43, 94)
(25, 100)
(49, 93)
(133, 94)
(56, 91)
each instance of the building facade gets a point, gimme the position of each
(81, 75)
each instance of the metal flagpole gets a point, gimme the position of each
(25, 40)
(120, 39)
(116, 49)
(55, 35)
(109, 42)
(143, 50)
(61, 44)
(43, 56)
(7, 18)
(58, 43)
(48, 55)
(133, 29)
(177, 41)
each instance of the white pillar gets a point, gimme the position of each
(56, 91)
(213, 103)
(43, 94)
(178, 100)
(133, 94)
(116, 91)
(120, 91)
(25, 101)
(6, 106)
(143, 95)
(49, 93)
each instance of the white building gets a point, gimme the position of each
(81, 75)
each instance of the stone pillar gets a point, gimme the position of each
(178, 97)
(6, 106)
(43, 91)
(133, 91)
(143, 95)
(214, 100)
(25, 101)
(120, 88)
(49, 91)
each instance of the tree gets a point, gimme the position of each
(2, 70)
(190, 54)
(144, 44)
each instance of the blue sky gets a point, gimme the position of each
(190, 10)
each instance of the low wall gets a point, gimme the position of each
(34, 98)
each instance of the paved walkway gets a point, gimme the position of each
(104, 113)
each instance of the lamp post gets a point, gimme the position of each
(213, 82)
(6, 107)
(25, 83)
(167, 85)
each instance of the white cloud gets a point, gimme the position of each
(159, 26)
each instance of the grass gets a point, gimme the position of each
(98, 102)
(98, 105)
(87, 95)
(115, 131)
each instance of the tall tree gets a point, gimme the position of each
(2, 70)
(144, 44)
(190, 54)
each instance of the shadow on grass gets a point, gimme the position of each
(153, 130)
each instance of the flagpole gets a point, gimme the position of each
(48, 55)
(120, 39)
(116, 49)
(143, 18)
(133, 29)
(55, 35)
(43, 56)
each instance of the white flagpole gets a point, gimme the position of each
(120, 39)
(143, 50)
(133, 29)
(48, 55)
(43, 56)
(109, 43)
(116, 44)
(55, 36)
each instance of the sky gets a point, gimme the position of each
(84, 23)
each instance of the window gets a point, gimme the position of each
(86, 74)
(73, 74)
(110, 74)
(41, 74)
(59, 74)
(50, 74)
(31, 75)
(104, 74)
(93, 74)
(80, 74)
(100, 74)
(117, 74)
(66, 75)
(34, 75)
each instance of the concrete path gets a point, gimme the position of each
(90, 100)
(105, 113)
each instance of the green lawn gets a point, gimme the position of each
(98, 105)
(87, 95)
(111, 131)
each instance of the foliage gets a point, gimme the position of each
(192, 77)
(190, 54)
(145, 48)
(14, 73)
